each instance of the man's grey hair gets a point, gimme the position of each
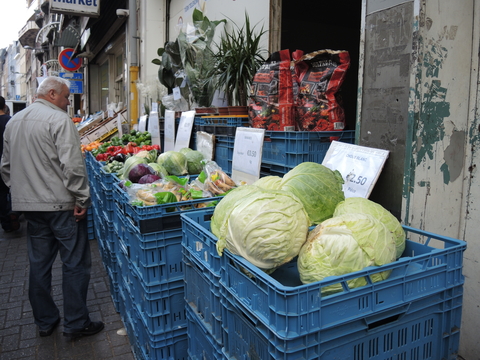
(52, 83)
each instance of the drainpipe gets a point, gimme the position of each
(132, 30)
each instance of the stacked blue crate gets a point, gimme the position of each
(283, 150)
(415, 314)
(149, 256)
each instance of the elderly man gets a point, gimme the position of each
(43, 165)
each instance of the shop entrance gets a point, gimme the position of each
(312, 25)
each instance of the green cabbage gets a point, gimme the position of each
(184, 151)
(266, 227)
(318, 187)
(194, 162)
(271, 182)
(344, 244)
(174, 162)
(366, 206)
(222, 212)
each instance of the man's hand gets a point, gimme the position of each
(79, 213)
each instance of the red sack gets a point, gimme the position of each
(272, 99)
(318, 105)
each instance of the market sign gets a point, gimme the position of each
(90, 8)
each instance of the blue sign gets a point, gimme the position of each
(73, 76)
(76, 87)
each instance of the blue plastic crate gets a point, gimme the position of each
(90, 224)
(168, 345)
(426, 329)
(202, 296)
(283, 150)
(201, 345)
(291, 309)
(290, 148)
(199, 242)
(170, 321)
(224, 153)
(175, 348)
(156, 248)
(147, 219)
(160, 303)
(232, 121)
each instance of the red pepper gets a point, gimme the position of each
(102, 157)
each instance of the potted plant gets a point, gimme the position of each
(237, 59)
(198, 58)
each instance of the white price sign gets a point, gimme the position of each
(247, 154)
(154, 128)
(142, 123)
(169, 131)
(360, 166)
(184, 130)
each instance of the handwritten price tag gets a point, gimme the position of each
(360, 166)
(184, 130)
(247, 154)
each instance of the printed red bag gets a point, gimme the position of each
(272, 99)
(318, 105)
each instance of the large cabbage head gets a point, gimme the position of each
(318, 187)
(266, 227)
(366, 206)
(174, 162)
(218, 224)
(344, 244)
(271, 182)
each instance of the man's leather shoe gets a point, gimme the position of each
(49, 332)
(92, 329)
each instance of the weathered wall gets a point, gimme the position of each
(418, 103)
(385, 97)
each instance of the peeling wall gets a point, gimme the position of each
(385, 98)
(417, 101)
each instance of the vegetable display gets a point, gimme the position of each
(344, 244)
(318, 187)
(266, 227)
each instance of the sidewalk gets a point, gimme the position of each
(19, 337)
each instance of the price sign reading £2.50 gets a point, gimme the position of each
(360, 166)
(247, 155)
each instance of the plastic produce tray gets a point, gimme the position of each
(202, 296)
(291, 309)
(201, 345)
(147, 219)
(426, 329)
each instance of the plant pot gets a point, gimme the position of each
(238, 110)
